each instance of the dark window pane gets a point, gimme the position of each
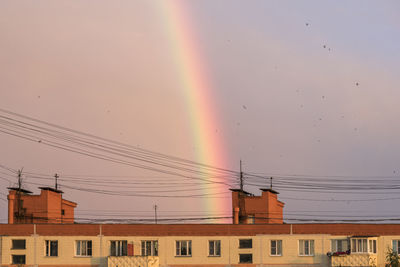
(89, 248)
(54, 248)
(18, 259)
(124, 248)
(113, 250)
(245, 243)
(18, 244)
(245, 258)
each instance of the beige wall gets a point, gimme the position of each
(35, 249)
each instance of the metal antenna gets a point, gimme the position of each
(271, 183)
(155, 214)
(56, 177)
(241, 176)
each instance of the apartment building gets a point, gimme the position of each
(245, 242)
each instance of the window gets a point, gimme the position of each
(339, 245)
(250, 219)
(359, 245)
(276, 248)
(306, 247)
(119, 248)
(184, 248)
(214, 248)
(150, 248)
(245, 258)
(396, 246)
(84, 248)
(245, 243)
(51, 248)
(62, 212)
(18, 259)
(18, 244)
(372, 246)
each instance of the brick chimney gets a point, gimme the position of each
(250, 209)
(48, 207)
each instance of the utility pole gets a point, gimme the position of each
(241, 176)
(155, 214)
(56, 177)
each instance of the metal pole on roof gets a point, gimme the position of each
(56, 176)
(241, 176)
(155, 214)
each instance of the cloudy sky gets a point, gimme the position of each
(299, 89)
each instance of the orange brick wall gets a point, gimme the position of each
(43, 208)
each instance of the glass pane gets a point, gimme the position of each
(184, 248)
(279, 247)
(89, 248)
(218, 248)
(54, 248)
(211, 248)
(124, 248)
(190, 248)
(113, 249)
(148, 248)
(78, 248)
(143, 249)
(155, 248)
(178, 248)
(364, 245)
(83, 248)
(353, 245)
(311, 247)
(273, 247)
(307, 247)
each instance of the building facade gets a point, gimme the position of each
(40, 234)
(198, 245)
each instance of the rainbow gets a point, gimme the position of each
(197, 90)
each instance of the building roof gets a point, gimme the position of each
(20, 189)
(198, 229)
(51, 189)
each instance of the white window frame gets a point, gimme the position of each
(79, 244)
(306, 247)
(363, 245)
(277, 246)
(119, 247)
(178, 248)
(215, 246)
(396, 245)
(48, 248)
(153, 247)
(372, 246)
(344, 244)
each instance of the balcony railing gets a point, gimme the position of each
(359, 260)
(136, 261)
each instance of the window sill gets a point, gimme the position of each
(275, 255)
(183, 256)
(214, 256)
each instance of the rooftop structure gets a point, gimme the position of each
(48, 207)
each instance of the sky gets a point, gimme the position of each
(302, 91)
